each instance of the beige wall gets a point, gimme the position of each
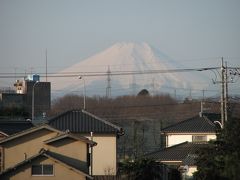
(69, 147)
(211, 137)
(177, 139)
(104, 155)
(60, 172)
(191, 170)
(14, 150)
(180, 138)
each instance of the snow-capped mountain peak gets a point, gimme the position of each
(122, 57)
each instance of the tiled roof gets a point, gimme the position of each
(80, 121)
(184, 152)
(28, 131)
(72, 136)
(70, 163)
(11, 127)
(75, 163)
(196, 124)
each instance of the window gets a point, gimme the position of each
(199, 138)
(42, 170)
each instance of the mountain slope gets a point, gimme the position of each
(121, 58)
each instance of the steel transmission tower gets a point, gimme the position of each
(108, 89)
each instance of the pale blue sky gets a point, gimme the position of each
(196, 33)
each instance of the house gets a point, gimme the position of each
(104, 133)
(179, 156)
(42, 151)
(183, 139)
(197, 129)
(9, 127)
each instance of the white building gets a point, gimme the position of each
(183, 139)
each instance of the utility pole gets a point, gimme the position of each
(203, 95)
(226, 94)
(222, 94)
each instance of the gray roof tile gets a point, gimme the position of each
(80, 121)
(13, 127)
(185, 152)
(196, 124)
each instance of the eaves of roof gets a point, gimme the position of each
(183, 152)
(72, 136)
(47, 154)
(28, 131)
(193, 125)
(10, 127)
(81, 121)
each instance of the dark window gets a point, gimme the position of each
(37, 170)
(199, 138)
(48, 169)
(42, 170)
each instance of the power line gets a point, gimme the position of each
(113, 73)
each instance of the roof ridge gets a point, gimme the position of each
(208, 120)
(58, 115)
(69, 134)
(24, 132)
(181, 122)
(104, 121)
(176, 145)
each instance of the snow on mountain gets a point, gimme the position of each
(122, 58)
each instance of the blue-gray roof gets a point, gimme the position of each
(81, 121)
(184, 152)
(196, 124)
(10, 127)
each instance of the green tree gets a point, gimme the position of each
(141, 169)
(220, 160)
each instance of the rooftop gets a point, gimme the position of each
(184, 152)
(197, 124)
(10, 127)
(81, 121)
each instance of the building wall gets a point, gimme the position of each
(20, 148)
(211, 137)
(60, 172)
(180, 138)
(191, 170)
(42, 97)
(69, 147)
(104, 155)
(10, 100)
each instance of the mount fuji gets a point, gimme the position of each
(119, 70)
